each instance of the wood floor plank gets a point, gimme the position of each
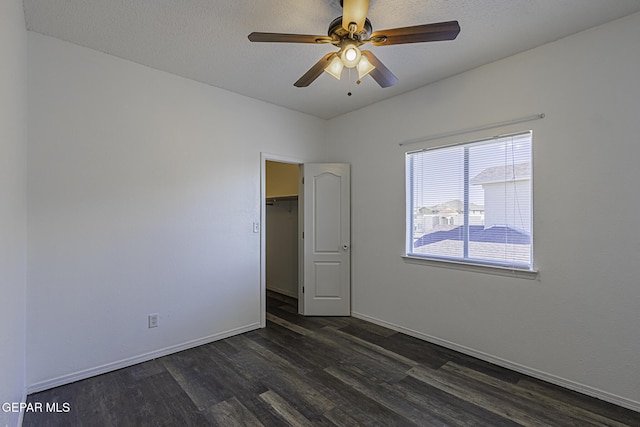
(495, 371)
(145, 370)
(239, 383)
(289, 325)
(278, 333)
(341, 418)
(374, 389)
(454, 410)
(245, 381)
(301, 353)
(373, 359)
(328, 346)
(285, 409)
(310, 398)
(614, 413)
(358, 324)
(415, 349)
(231, 413)
(277, 299)
(308, 322)
(372, 347)
(190, 370)
(544, 401)
(485, 396)
(359, 407)
(275, 360)
(160, 402)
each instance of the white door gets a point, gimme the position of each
(326, 240)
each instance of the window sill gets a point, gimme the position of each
(477, 268)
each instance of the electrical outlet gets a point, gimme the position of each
(154, 320)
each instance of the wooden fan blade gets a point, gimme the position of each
(354, 11)
(288, 38)
(418, 34)
(381, 74)
(315, 71)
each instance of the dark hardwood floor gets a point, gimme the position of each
(320, 371)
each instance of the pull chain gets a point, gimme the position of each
(349, 82)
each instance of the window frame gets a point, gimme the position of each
(465, 263)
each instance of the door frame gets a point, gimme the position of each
(263, 229)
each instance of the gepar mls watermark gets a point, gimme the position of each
(49, 407)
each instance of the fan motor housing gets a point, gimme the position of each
(337, 30)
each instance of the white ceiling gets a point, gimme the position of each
(206, 40)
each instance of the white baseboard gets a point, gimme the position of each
(130, 361)
(541, 375)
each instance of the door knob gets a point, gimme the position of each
(345, 247)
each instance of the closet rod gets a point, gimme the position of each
(476, 129)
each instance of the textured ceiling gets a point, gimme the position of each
(206, 40)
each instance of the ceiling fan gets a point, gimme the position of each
(350, 31)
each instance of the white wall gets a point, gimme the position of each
(13, 138)
(282, 247)
(142, 191)
(577, 324)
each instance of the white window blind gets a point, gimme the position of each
(472, 202)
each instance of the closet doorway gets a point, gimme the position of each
(281, 226)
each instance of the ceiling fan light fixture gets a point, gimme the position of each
(364, 67)
(335, 67)
(350, 54)
(351, 31)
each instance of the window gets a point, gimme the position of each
(472, 202)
